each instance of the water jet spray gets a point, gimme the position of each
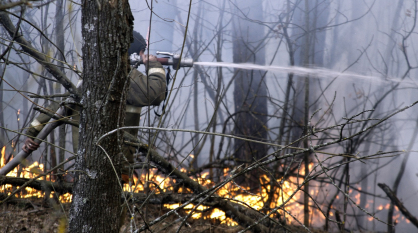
(312, 72)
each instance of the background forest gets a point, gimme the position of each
(294, 109)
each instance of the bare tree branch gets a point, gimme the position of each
(38, 56)
(398, 203)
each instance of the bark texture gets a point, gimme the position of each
(107, 33)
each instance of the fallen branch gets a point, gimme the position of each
(398, 203)
(63, 187)
(41, 185)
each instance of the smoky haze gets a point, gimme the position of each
(265, 70)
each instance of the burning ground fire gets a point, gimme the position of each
(163, 184)
(29, 172)
(229, 191)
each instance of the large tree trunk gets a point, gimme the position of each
(107, 33)
(249, 88)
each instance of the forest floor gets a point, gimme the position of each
(33, 215)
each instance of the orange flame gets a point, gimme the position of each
(159, 183)
(3, 156)
(29, 172)
(256, 201)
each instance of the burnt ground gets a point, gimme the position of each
(35, 215)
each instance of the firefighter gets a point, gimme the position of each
(136, 98)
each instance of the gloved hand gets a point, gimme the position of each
(30, 145)
(146, 57)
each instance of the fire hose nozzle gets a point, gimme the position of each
(175, 61)
(172, 59)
